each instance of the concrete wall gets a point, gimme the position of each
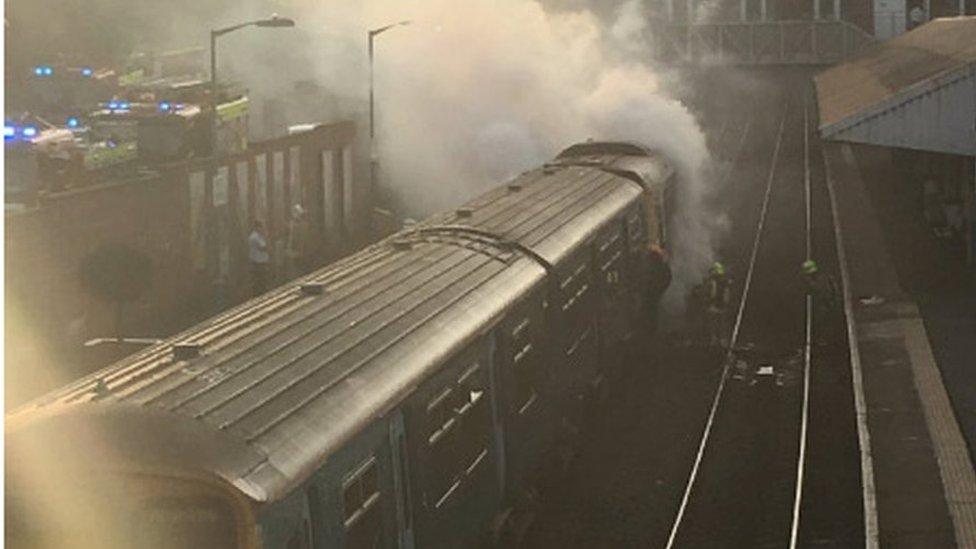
(191, 224)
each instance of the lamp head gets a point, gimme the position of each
(276, 21)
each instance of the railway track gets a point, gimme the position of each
(676, 462)
(747, 485)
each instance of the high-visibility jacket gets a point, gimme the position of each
(718, 291)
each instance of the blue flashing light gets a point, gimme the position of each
(48, 71)
(39, 71)
(124, 105)
(9, 132)
(113, 105)
(165, 106)
(29, 131)
(86, 71)
(73, 122)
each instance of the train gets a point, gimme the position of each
(412, 394)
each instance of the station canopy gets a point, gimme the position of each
(914, 91)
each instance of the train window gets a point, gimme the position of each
(459, 424)
(575, 286)
(362, 513)
(635, 230)
(524, 364)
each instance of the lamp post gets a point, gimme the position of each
(370, 36)
(273, 22)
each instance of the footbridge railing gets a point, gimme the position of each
(761, 42)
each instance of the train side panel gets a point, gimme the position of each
(353, 501)
(453, 450)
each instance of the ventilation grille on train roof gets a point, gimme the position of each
(312, 288)
(186, 351)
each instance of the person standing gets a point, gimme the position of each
(259, 258)
(658, 280)
(718, 296)
(820, 285)
(916, 17)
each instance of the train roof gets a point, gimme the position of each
(634, 161)
(261, 395)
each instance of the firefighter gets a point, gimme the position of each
(660, 272)
(718, 296)
(821, 286)
(658, 280)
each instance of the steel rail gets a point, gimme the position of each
(808, 340)
(689, 487)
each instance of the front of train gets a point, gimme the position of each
(104, 475)
(657, 177)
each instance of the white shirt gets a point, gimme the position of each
(917, 15)
(257, 248)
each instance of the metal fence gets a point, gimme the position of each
(191, 221)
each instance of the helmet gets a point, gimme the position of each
(659, 252)
(718, 268)
(809, 267)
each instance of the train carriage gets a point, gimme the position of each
(403, 397)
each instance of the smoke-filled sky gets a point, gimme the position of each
(471, 93)
(474, 92)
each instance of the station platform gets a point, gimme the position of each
(918, 477)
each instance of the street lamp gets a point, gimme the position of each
(370, 35)
(273, 21)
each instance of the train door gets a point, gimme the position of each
(613, 304)
(637, 279)
(452, 437)
(574, 362)
(490, 348)
(401, 482)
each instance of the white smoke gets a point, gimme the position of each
(473, 92)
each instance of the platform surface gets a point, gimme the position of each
(924, 488)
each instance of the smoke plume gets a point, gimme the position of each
(471, 93)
